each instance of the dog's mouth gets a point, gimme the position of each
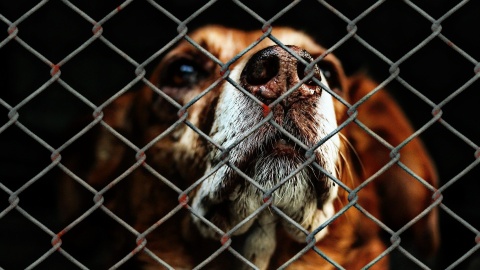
(279, 158)
(272, 145)
(282, 145)
(285, 147)
(277, 167)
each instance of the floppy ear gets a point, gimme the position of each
(109, 150)
(401, 196)
(95, 158)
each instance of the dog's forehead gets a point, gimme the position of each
(225, 43)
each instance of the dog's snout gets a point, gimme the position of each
(271, 72)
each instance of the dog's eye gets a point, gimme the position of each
(329, 71)
(183, 73)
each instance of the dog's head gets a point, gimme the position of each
(262, 127)
(238, 129)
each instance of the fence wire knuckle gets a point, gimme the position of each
(16, 112)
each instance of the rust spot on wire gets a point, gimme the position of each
(97, 114)
(477, 239)
(140, 156)
(141, 241)
(181, 112)
(477, 153)
(225, 239)
(437, 112)
(57, 239)
(183, 200)
(12, 30)
(97, 30)
(266, 110)
(55, 70)
(265, 200)
(266, 28)
(55, 156)
(119, 8)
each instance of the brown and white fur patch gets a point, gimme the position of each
(267, 128)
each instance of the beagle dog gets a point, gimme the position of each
(267, 157)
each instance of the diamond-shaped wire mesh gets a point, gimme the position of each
(67, 63)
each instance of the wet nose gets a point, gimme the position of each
(272, 71)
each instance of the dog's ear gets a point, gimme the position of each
(402, 196)
(96, 157)
(129, 115)
(108, 149)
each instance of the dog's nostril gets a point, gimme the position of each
(261, 69)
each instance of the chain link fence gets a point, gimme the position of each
(66, 59)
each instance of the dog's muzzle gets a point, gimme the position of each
(273, 154)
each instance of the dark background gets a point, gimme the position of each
(139, 30)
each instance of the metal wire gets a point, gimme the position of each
(14, 110)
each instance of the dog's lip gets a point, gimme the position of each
(282, 148)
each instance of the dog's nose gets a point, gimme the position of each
(271, 72)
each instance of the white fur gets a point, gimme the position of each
(235, 116)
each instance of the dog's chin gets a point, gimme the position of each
(278, 168)
(300, 190)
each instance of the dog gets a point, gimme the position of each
(263, 157)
